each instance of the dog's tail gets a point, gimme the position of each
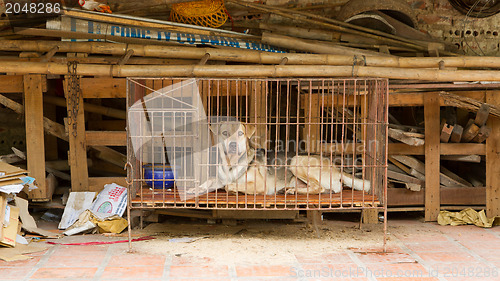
(355, 183)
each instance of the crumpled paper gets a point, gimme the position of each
(106, 223)
(467, 216)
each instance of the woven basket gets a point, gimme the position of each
(208, 13)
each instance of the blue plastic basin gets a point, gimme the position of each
(159, 176)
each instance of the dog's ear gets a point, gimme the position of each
(250, 130)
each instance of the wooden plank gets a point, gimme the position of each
(403, 178)
(456, 134)
(470, 131)
(77, 156)
(106, 138)
(11, 84)
(463, 158)
(35, 147)
(448, 195)
(96, 184)
(432, 151)
(103, 87)
(462, 148)
(482, 115)
(404, 149)
(402, 137)
(482, 135)
(417, 99)
(493, 161)
(446, 131)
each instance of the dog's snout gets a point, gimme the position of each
(233, 148)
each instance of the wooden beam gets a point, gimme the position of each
(35, 147)
(445, 148)
(462, 148)
(11, 84)
(106, 138)
(432, 150)
(96, 184)
(448, 195)
(77, 156)
(103, 87)
(493, 161)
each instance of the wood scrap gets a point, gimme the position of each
(446, 179)
(446, 131)
(405, 138)
(482, 115)
(483, 134)
(456, 134)
(403, 177)
(470, 131)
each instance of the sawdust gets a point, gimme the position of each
(276, 242)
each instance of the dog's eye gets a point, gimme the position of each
(240, 133)
(224, 133)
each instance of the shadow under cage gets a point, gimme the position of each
(268, 144)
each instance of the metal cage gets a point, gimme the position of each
(270, 144)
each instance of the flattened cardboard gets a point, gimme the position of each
(28, 222)
(7, 170)
(10, 232)
(3, 204)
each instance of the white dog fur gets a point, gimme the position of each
(243, 169)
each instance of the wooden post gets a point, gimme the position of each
(493, 161)
(77, 156)
(33, 110)
(432, 150)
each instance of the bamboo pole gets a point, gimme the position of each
(335, 25)
(316, 47)
(251, 71)
(301, 32)
(241, 55)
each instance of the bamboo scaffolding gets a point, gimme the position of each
(250, 71)
(246, 56)
(317, 47)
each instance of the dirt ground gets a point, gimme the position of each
(275, 241)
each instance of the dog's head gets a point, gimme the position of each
(234, 137)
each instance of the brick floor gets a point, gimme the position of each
(432, 253)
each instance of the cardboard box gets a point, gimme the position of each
(3, 204)
(10, 232)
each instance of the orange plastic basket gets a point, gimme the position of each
(208, 13)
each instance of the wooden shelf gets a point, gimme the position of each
(445, 149)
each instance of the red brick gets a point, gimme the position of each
(325, 258)
(14, 273)
(133, 272)
(347, 270)
(264, 270)
(135, 260)
(199, 271)
(75, 261)
(433, 246)
(451, 256)
(385, 257)
(64, 272)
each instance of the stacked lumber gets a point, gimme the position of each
(475, 130)
(410, 171)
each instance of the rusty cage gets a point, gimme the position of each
(271, 144)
